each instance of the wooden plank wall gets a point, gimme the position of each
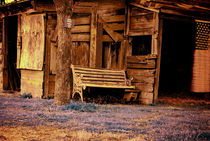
(142, 69)
(81, 40)
(111, 16)
(141, 22)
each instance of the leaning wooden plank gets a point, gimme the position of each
(114, 35)
(141, 6)
(107, 38)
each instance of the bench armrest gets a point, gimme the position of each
(128, 81)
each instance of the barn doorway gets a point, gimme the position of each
(11, 74)
(176, 57)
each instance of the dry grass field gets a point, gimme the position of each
(23, 119)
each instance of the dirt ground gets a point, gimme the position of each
(40, 120)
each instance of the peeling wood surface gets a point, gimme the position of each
(33, 37)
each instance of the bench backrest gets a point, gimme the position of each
(99, 76)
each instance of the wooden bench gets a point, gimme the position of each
(101, 78)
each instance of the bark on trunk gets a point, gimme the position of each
(63, 60)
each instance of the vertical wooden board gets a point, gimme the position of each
(51, 86)
(99, 44)
(122, 53)
(53, 58)
(155, 37)
(19, 41)
(49, 28)
(107, 60)
(32, 82)
(33, 42)
(159, 48)
(93, 39)
(114, 58)
(80, 53)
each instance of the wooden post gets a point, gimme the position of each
(93, 38)
(157, 74)
(5, 52)
(155, 33)
(47, 59)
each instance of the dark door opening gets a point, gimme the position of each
(176, 57)
(12, 80)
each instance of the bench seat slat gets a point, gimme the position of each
(103, 79)
(104, 73)
(104, 82)
(103, 76)
(109, 86)
(98, 70)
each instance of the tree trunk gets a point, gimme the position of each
(63, 57)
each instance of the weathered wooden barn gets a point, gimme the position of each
(163, 45)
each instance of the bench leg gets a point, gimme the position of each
(80, 92)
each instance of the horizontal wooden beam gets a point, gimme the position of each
(118, 18)
(86, 38)
(82, 20)
(80, 29)
(78, 9)
(140, 32)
